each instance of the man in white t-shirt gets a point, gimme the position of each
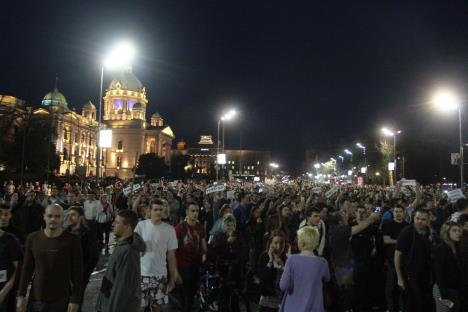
(91, 208)
(161, 243)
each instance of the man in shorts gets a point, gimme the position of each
(161, 243)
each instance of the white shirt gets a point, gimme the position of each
(91, 209)
(158, 240)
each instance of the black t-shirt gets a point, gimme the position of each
(392, 229)
(340, 247)
(416, 250)
(10, 251)
(363, 243)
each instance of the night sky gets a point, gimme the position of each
(301, 74)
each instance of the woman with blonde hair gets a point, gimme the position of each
(303, 276)
(448, 285)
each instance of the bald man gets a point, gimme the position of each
(54, 257)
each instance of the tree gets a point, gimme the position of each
(32, 151)
(178, 166)
(151, 166)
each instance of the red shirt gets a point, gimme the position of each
(189, 251)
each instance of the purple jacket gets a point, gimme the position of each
(301, 283)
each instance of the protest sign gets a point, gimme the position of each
(455, 195)
(214, 189)
(332, 191)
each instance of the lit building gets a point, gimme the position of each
(75, 138)
(239, 162)
(125, 105)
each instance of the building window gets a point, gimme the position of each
(120, 146)
(118, 104)
(66, 135)
(130, 104)
(119, 162)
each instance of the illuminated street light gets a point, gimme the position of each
(317, 166)
(341, 157)
(347, 151)
(390, 132)
(121, 55)
(448, 101)
(332, 159)
(227, 116)
(274, 165)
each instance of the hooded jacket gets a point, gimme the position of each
(120, 288)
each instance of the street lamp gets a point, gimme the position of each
(389, 132)
(120, 55)
(227, 116)
(447, 101)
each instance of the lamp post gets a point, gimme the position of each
(359, 145)
(447, 101)
(227, 116)
(121, 55)
(388, 132)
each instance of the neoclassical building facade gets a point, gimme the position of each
(124, 112)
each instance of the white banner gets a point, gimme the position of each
(126, 191)
(405, 182)
(214, 189)
(332, 191)
(455, 195)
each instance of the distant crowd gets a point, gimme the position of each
(233, 246)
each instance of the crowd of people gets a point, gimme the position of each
(287, 246)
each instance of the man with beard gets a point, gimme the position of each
(54, 258)
(27, 215)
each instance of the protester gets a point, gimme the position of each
(27, 215)
(161, 243)
(88, 241)
(448, 287)
(91, 208)
(270, 268)
(10, 257)
(303, 276)
(391, 231)
(54, 258)
(229, 253)
(413, 263)
(104, 222)
(120, 288)
(190, 254)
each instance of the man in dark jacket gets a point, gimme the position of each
(27, 215)
(120, 288)
(88, 241)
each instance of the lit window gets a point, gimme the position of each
(118, 104)
(120, 146)
(119, 162)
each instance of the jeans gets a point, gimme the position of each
(190, 285)
(103, 231)
(419, 294)
(48, 306)
(392, 291)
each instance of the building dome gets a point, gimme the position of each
(137, 106)
(89, 106)
(54, 98)
(156, 115)
(126, 80)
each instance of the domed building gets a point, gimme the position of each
(124, 112)
(76, 134)
(125, 106)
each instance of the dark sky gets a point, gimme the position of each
(301, 74)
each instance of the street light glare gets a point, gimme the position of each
(347, 151)
(316, 166)
(121, 55)
(274, 165)
(360, 146)
(387, 132)
(446, 101)
(229, 115)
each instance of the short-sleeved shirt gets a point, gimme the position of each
(392, 229)
(189, 252)
(158, 240)
(10, 251)
(416, 250)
